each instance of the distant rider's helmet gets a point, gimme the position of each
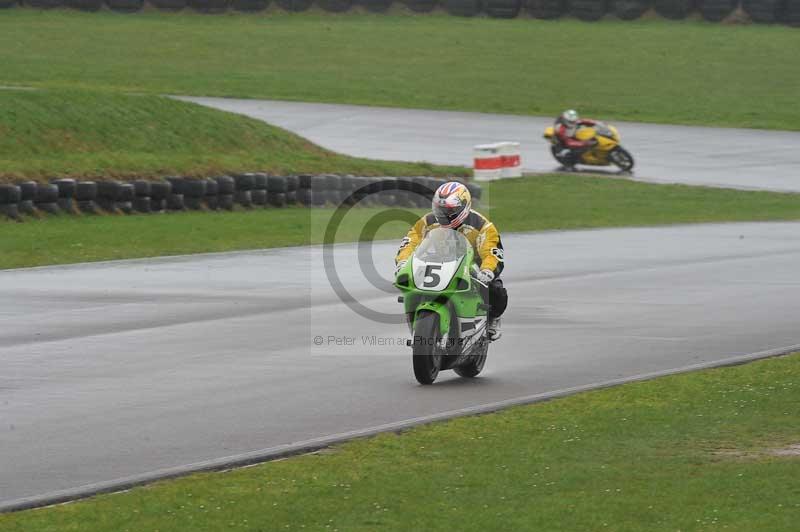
(451, 204)
(570, 118)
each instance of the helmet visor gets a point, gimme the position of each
(448, 213)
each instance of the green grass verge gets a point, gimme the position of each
(527, 204)
(90, 133)
(693, 452)
(650, 70)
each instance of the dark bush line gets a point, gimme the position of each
(246, 191)
(765, 11)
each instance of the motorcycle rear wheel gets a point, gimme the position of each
(426, 360)
(622, 158)
(475, 362)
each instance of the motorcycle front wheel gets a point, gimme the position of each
(426, 359)
(622, 158)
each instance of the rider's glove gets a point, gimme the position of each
(485, 276)
(399, 267)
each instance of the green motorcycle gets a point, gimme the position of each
(444, 306)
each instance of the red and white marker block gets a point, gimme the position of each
(497, 161)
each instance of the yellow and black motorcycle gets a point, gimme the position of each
(606, 152)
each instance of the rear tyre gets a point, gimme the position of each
(621, 158)
(476, 362)
(426, 359)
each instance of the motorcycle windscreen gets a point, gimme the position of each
(437, 258)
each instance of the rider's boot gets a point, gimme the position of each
(493, 331)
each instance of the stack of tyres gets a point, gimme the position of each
(791, 12)
(244, 188)
(159, 192)
(66, 194)
(127, 193)
(169, 5)
(9, 201)
(588, 10)
(27, 192)
(295, 5)
(46, 198)
(194, 193)
(86, 196)
(674, 9)
(546, 9)
(249, 6)
(765, 11)
(716, 10)
(335, 6)
(208, 6)
(227, 191)
(389, 191)
(333, 189)
(212, 194)
(176, 201)
(125, 6)
(377, 6)
(85, 5)
(259, 193)
(305, 195)
(141, 196)
(319, 190)
(4, 4)
(277, 189)
(503, 8)
(43, 4)
(630, 9)
(463, 8)
(292, 184)
(422, 6)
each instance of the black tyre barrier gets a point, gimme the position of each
(335, 6)
(225, 201)
(716, 10)
(278, 199)
(319, 196)
(277, 184)
(791, 12)
(304, 181)
(588, 10)
(86, 191)
(244, 198)
(318, 182)
(169, 5)
(333, 182)
(250, 6)
(259, 181)
(43, 4)
(87, 206)
(212, 187)
(193, 188)
(208, 6)
(125, 6)
(304, 196)
(108, 193)
(26, 207)
(177, 184)
(226, 184)
(673, 9)
(141, 188)
(630, 9)
(259, 197)
(295, 5)
(159, 190)
(27, 190)
(175, 202)
(376, 6)
(291, 197)
(422, 6)
(292, 183)
(503, 8)
(158, 205)
(193, 203)
(85, 5)
(141, 204)
(66, 187)
(463, 8)
(244, 181)
(7, 3)
(10, 194)
(46, 193)
(9, 210)
(766, 11)
(546, 9)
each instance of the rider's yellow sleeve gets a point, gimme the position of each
(490, 250)
(411, 240)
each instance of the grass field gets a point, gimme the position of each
(649, 70)
(534, 203)
(90, 133)
(714, 450)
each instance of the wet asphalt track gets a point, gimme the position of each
(738, 158)
(118, 369)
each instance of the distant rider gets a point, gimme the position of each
(452, 208)
(566, 127)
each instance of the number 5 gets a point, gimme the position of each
(430, 271)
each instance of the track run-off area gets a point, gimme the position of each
(129, 370)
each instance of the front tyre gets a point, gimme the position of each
(425, 356)
(622, 158)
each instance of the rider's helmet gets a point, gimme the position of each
(570, 118)
(451, 204)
